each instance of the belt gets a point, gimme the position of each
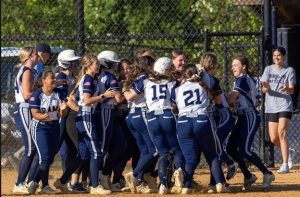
(86, 109)
(159, 111)
(133, 109)
(23, 104)
(192, 114)
(50, 122)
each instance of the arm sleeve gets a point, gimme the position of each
(88, 85)
(265, 76)
(292, 76)
(242, 85)
(138, 85)
(35, 101)
(112, 82)
(173, 95)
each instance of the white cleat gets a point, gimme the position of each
(99, 190)
(20, 189)
(130, 180)
(162, 189)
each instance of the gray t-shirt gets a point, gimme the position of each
(276, 99)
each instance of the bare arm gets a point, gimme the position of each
(119, 97)
(218, 99)
(130, 95)
(265, 87)
(38, 115)
(232, 96)
(63, 109)
(288, 88)
(72, 104)
(88, 99)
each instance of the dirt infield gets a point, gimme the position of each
(284, 185)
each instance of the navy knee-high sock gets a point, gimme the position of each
(33, 169)
(24, 167)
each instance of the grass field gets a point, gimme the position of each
(283, 186)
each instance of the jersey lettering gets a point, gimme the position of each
(193, 97)
(162, 94)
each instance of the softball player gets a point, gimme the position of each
(131, 150)
(217, 104)
(161, 121)
(85, 120)
(137, 124)
(194, 128)
(24, 83)
(65, 80)
(112, 140)
(243, 96)
(46, 108)
(71, 158)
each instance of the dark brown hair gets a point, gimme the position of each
(142, 65)
(281, 50)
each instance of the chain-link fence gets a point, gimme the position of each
(226, 27)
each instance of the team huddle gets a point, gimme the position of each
(99, 112)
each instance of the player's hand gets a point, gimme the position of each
(266, 84)
(109, 93)
(63, 105)
(284, 88)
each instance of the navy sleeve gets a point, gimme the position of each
(88, 85)
(216, 87)
(112, 82)
(241, 85)
(173, 94)
(61, 93)
(35, 101)
(138, 85)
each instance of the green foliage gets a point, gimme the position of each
(150, 23)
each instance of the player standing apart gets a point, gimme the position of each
(278, 82)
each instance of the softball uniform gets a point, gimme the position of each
(161, 123)
(242, 135)
(194, 130)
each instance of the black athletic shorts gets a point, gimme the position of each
(274, 117)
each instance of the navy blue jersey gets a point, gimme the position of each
(87, 85)
(45, 103)
(107, 80)
(62, 83)
(247, 89)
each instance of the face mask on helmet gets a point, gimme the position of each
(108, 64)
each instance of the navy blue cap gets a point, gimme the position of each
(42, 47)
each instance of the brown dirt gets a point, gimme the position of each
(284, 185)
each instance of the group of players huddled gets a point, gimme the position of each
(99, 112)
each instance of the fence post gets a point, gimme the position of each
(206, 40)
(267, 61)
(80, 27)
(274, 26)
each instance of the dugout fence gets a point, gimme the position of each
(223, 27)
